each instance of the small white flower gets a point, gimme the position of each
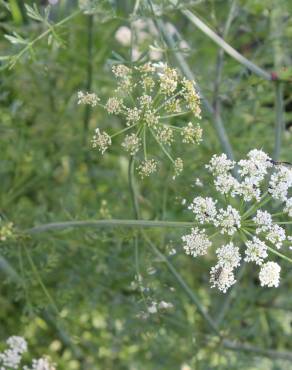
(249, 190)
(17, 344)
(196, 243)
(226, 183)
(256, 251)
(114, 105)
(87, 98)
(40, 364)
(10, 359)
(152, 308)
(192, 134)
(288, 207)
(276, 235)
(221, 278)
(280, 182)
(131, 143)
(168, 81)
(220, 164)
(172, 252)
(178, 167)
(263, 221)
(204, 209)
(165, 305)
(147, 168)
(101, 140)
(199, 183)
(228, 220)
(228, 256)
(123, 36)
(270, 274)
(133, 116)
(255, 167)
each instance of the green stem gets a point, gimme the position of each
(132, 188)
(124, 130)
(279, 122)
(15, 58)
(144, 142)
(186, 70)
(39, 279)
(256, 206)
(175, 115)
(88, 109)
(227, 48)
(184, 285)
(107, 223)
(279, 254)
(162, 147)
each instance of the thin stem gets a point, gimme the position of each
(162, 147)
(144, 142)
(15, 58)
(51, 321)
(218, 123)
(167, 101)
(124, 130)
(270, 353)
(175, 115)
(132, 187)
(255, 206)
(184, 285)
(231, 295)
(273, 250)
(39, 279)
(107, 223)
(279, 254)
(279, 121)
(227, 48)
(88, 109)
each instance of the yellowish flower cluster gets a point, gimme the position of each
(6, 230)
(150, 100)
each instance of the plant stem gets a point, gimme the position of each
(107, 223)
(270, 353)
(87, 111)
(227, 48)
(39, 279)
(15, 58)
(218, 123)
(279, 254)
(184, 285)
(132, 188)
(162, 147)
(279, 121)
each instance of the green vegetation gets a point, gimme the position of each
(88, 249)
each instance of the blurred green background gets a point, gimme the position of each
(76, 297)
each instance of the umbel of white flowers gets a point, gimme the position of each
(11, 358)
(149, 99)
(252, 233)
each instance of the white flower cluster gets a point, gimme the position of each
(148, 99)
(11, 358)
(244, 221)
(159, 306)
(196, 243)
